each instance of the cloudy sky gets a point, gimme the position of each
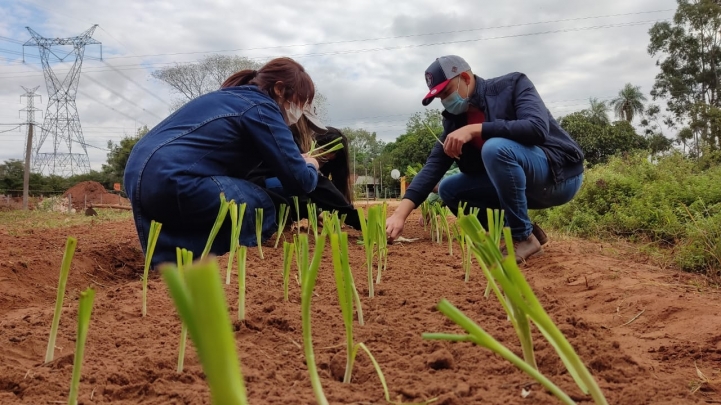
(367, 57)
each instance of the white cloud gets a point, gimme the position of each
(366, 84)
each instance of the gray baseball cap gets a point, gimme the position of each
(440, 73)
(311, 114)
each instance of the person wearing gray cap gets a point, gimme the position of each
(511, 152)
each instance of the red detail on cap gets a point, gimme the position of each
(439, 88)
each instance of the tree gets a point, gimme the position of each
(650, 122)
(598, 111)
(601, 141)
(363, 148)
(413, 147)
(629, 102)
(118, 156)
(689, 77)
(191, 80)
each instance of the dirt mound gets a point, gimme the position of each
(92, 193)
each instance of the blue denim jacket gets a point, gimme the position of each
(175, 173)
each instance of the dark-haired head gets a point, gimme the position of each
(338, 165)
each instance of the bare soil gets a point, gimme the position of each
(642, 330)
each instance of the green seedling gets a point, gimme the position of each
(70, 246)
(184, 258)
(310, 274)
(200, 301)
(284, 211)
(152, 240)
(242, 257)
(85, 308)
(288, 249)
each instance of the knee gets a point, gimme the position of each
(494, 149)
(446, 191)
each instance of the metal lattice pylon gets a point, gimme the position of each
(61, 116)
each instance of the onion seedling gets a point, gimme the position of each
(70, 246)
(85, 308)
(382, 241)
(312, 218)
(200, 301)
(368, 231)
(301, 254)
(297, 213)
(152, 240)
(480, 337)
(259, 230)
(236, 217)
(288, 249)
(339, 247)
(330, 147)
(521, 303)
(185, 258)
(332, 225)
(310, 274)
(434, 134)
(443, 213)
(284, 211)
(242, 256)
(425, 214)
(222, 213)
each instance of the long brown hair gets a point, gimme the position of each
(296, 81)
(302, 134)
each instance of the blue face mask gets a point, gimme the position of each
(454, 103)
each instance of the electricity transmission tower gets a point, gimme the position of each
(30, 110)
(61, 120)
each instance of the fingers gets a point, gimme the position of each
(452, 147)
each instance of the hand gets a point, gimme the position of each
(456, 139)
(311, 160)
(394, 227)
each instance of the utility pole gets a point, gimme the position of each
(30, 110)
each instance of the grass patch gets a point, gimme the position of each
(23, 222)
(671, 205)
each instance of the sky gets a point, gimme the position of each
(367, 58)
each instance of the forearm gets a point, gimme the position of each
(404, 209)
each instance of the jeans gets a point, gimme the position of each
(517, 178)
(188, 224)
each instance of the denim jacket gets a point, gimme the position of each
(228, 132)
(514, 110)
(176, 172)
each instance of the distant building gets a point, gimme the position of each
(366, 186)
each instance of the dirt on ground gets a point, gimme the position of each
(648, 335)
(89, 193)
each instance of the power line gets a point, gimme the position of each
(379, 38)
(8, 130)
(391, 48)
(399, 36)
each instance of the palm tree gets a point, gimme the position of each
(598, 113)
(629, 102)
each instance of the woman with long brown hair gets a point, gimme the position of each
(211, 145)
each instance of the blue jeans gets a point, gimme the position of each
(188, 223)
(517, 178)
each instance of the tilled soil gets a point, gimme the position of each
(641, 330)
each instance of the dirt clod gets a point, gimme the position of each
(440, 359)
